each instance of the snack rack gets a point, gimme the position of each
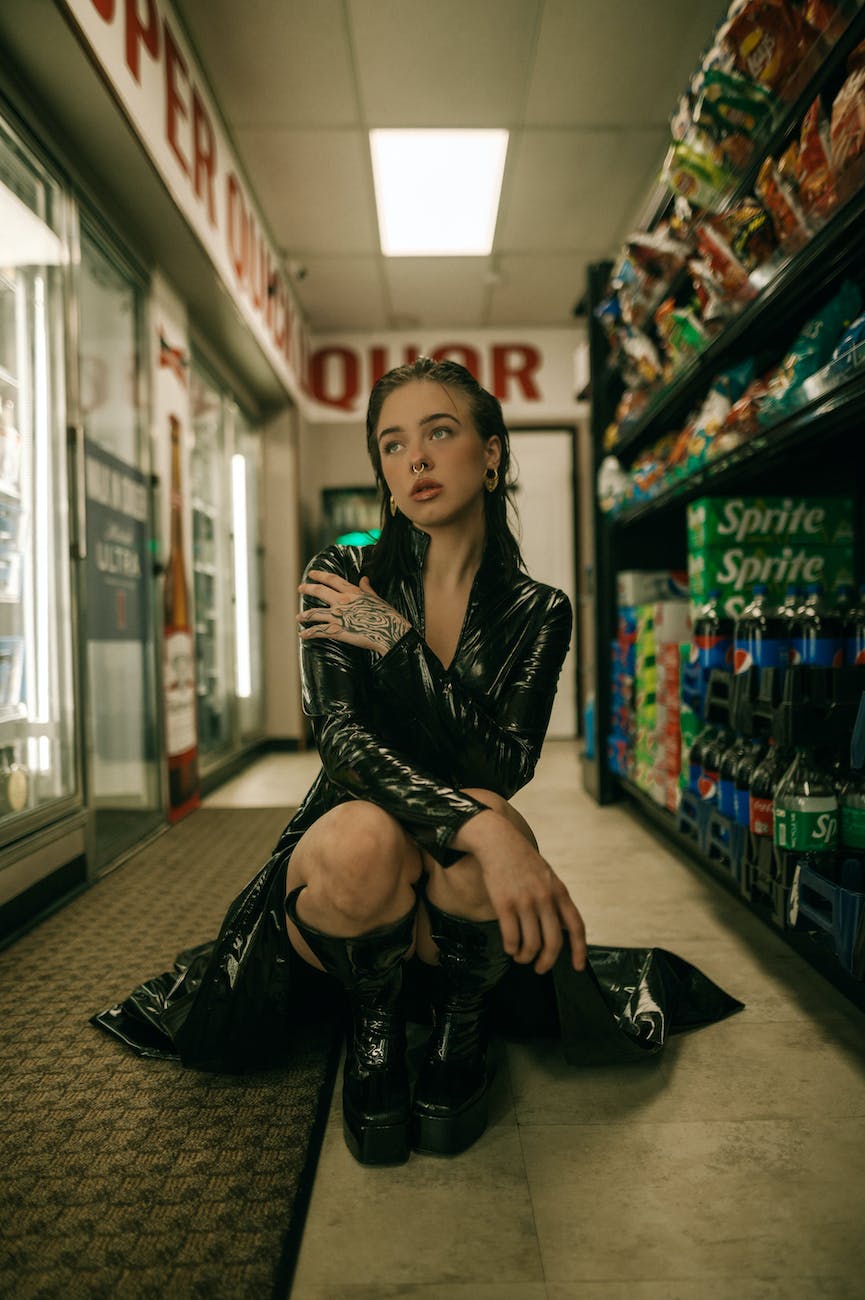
(816, 446)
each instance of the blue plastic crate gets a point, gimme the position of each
(839, 912)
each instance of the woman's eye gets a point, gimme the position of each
(442, 432)
(390, 447)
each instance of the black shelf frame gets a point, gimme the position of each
(816, 952)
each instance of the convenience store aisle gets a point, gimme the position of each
(732, 1168)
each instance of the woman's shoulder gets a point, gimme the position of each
(340, 558)
(540, 594)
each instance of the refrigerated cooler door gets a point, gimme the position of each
(212, 570)
(38, 762)
(118, 623)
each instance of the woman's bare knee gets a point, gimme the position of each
(500, 805)
(356, 859)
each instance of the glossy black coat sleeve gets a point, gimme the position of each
(494, 738)
(335, 683)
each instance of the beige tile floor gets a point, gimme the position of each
(732, 1168)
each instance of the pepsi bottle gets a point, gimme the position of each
(755, 752)
(710, 777)
(789, 606)
(760, 638)
(711, 647)
(854, 632)
(727, 776)
(695, 756)
(816, 633)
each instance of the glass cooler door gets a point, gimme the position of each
(212, 568)
(38, 759)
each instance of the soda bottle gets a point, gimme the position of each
(842, 599)
(764, 781)
(727, 776)
(806, 813)
(711, 647)
(854, 632)
(695, 755)
(711, 636)
(760, 637)
(786, 611)
(816, 632)
(852, 803)
(709, 779)
(754, 753)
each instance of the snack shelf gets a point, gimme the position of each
(833, 250)
(824, 59)
(811, 946)
(832, 412)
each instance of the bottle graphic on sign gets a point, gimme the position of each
(181, 739)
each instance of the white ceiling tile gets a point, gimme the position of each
(537, 290)
(343, 293)
(575, 190)
(316, 187)
(617, 63)
(437, 291)
(452, 63)
(270, 63)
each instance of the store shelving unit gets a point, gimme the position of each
(819, 449)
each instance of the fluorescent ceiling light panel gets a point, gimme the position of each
(437, 192)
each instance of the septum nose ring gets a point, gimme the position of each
(419, 467)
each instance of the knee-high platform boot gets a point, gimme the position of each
(449, 1111)
(375, 1090)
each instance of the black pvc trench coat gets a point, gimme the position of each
(409, 735)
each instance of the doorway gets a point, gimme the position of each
(543, 464)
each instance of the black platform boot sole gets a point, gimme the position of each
(379, 1144)
(453, 1133)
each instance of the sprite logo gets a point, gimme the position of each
(812, 830)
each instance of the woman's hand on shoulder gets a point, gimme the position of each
(531, 903)
(353, 615)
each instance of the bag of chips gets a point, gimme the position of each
(850, 350)
(766, 38)
(779, 199)
(815, 174)
(847, 130)
(695, 169)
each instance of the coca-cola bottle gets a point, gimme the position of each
(816, 632)
(754, 753)
(806, 813)
(854, 632)
(764, 782)
(759, 637)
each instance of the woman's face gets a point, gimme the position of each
(432, 456)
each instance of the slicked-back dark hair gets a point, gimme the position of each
(391, 552)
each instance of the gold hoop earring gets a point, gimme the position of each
(491, 479)
(392, 505)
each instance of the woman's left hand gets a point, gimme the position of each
(354, 615)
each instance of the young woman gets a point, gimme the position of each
(429, 666)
